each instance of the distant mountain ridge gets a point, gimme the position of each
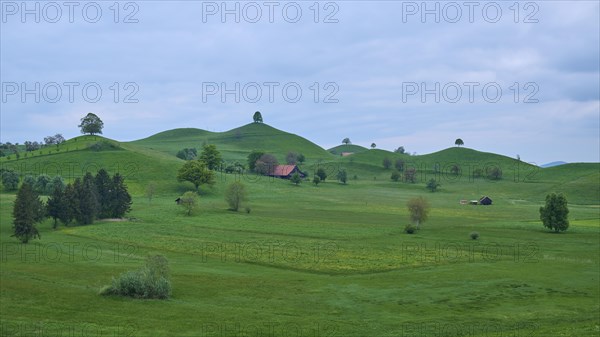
(552, 164)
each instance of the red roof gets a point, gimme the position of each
(283, 170)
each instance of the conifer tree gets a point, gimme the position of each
(27, 211)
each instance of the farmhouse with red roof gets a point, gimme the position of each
(286, 171)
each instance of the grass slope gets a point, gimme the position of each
(329, 260)
(347, 148)
(322, 261)
(237, 143)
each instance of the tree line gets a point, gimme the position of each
(7, 149)
(83, 201)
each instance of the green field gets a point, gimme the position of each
(331, 260)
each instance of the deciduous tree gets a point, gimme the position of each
(257, 117)
(253, 157)
(418, 209)
(91, 124)
(387, 163)
(10, 180)
(196, 172)
(266, 164)
(321, 174)
(555, 214)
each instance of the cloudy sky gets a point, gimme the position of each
(511, 79)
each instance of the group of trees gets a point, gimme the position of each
(187, 154)
(261, 162)
(400, 150)
(90, 198)
(90, 124)
(83, 201)
(43, 184)
(554, 214)
(7, 149)
(201, 171)
(293, 158)
(398, 164)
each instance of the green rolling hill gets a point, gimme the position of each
(152, 160)
(237, 143)
(340, 248)
(347, 148)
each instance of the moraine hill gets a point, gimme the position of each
(235, 144)
(153, 160)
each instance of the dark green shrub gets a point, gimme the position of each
(151, 281)
(474, 235)
(410, 229)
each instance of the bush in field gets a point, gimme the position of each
(474, 235)
(235, 195)
(295, 179)
(151, 281)
(410, 229)
(321, 174)
(189, 200)
(342, 176)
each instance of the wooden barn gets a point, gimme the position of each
(286, 171)
(485, 201)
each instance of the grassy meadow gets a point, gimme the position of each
(331, 260)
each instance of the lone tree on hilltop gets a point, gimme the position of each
(555, 213)
(257, 117)
(91, 124)
(459, 142)
(373, 145)
(346, 141)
